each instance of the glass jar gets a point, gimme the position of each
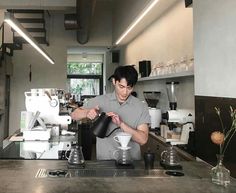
(219, 174)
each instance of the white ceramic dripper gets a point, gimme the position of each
(122, 138)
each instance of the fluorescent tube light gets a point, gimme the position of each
(9, 18)
(136, 21)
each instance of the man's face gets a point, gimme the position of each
(122, 90)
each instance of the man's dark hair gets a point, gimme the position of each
(128, 72)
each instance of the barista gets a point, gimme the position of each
(127, 112)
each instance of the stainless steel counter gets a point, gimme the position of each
(21, 176)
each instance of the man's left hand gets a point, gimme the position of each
(115, 118)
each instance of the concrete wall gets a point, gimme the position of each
(45, 74)
(214, 48)
(169, 37)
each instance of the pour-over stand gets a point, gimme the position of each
(124, 159)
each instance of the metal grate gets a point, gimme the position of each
(43, 173)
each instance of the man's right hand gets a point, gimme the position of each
(81, 113)
(92, 113)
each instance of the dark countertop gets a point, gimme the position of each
(18, 176)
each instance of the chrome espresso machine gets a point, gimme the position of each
(44, 125)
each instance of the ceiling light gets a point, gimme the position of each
(9, 18)
(149, 7)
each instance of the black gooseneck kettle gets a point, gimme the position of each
(100, 125)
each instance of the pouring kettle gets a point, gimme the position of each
(100, 125)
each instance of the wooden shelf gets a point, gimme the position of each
(166, 76)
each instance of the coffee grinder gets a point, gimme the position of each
(171, 88)
(152, 98)
(177, 119)
(169, 157)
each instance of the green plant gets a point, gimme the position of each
(223, 138)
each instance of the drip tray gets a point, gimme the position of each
(47, 173)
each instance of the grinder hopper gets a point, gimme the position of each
(171, 93)
(152, 98)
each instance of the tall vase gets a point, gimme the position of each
(219, 174)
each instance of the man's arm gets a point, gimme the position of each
(139, 135)
(81, 113)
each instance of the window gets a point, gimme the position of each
(85, 74)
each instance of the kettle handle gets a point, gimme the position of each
(116, 154)
(112, 131)
(116, 139)
(67, 157)
(163, 155)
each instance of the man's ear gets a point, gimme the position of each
(113, 81)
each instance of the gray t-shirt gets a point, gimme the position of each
(132, 112)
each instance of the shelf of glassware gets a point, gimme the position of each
(166, 76)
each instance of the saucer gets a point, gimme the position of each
(124, 148)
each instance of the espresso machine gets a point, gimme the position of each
(45, 121)
(152, 98)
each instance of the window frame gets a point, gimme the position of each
(92, 76)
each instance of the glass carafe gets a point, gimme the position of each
(122, 156)
(170, 157)
(76, 156)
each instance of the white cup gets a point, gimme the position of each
(122, 138)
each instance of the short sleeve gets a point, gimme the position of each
(144, 116)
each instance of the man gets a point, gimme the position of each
(127, 112)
